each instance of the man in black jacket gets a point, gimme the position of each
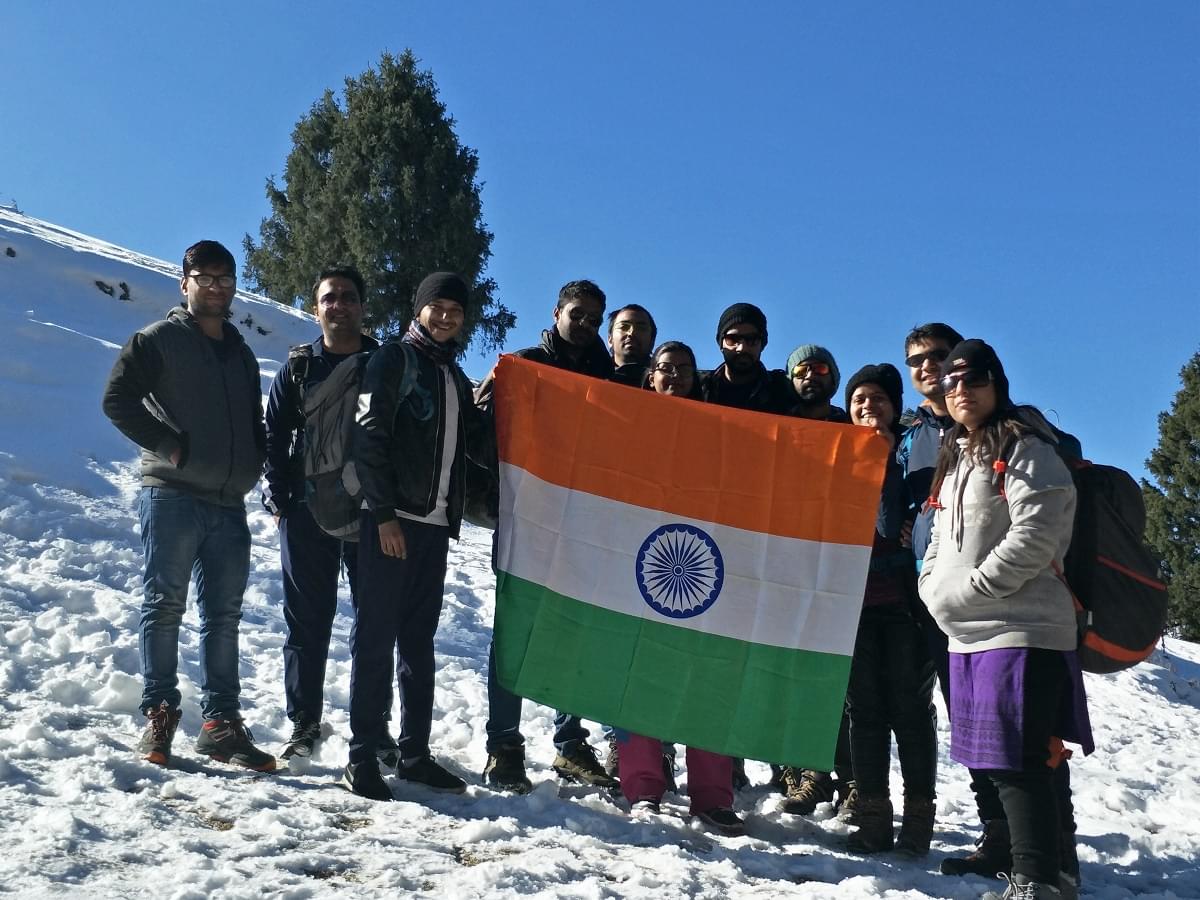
(311, 560)
(631, 336)
(410, 456)
(186, 390)
(574, 345)
(742, 380)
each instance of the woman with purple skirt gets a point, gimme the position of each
(991, 579)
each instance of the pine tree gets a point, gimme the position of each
(1173, 505)
(379, 180)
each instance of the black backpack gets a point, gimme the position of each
(1113, 578)
(332, 490)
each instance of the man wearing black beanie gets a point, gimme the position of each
(741, 380)
(412, 435)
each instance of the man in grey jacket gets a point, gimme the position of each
(186, 390)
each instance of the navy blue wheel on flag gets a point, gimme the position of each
(679, 570)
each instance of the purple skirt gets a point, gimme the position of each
(987, 708)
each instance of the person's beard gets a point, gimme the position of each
(739, 362)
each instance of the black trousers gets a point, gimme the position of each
(891, 692)
(311, 561)
(399, 604)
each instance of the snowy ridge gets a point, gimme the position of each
(81, 816)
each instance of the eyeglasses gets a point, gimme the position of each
(671, 370)
(748, 340)
(802, 370)
(919, 359)
(579, 317)
(968, 378)
(225, 281)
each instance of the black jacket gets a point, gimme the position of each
(552, 351)
(397, 448)
(284, 477)
(767, 393)
(632, 374)
(173, 388)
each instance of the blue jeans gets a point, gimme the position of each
(181, 536)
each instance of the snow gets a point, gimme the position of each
(81, 815)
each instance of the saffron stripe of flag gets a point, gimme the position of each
(680, 570)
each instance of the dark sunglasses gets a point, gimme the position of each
(968, 378)
(919, 359)
(801, 370)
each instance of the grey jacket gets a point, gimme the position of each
(988, 576)
(172, 389)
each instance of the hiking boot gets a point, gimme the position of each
(874, 833)
(1021, 888)
(387, 751)
(645, 805)
(364, 779)
(805, 789)
(992, 853)
(724, 820)
(230, 741)
(155, 743)
(916, 828)
(582, 767)
(848, 808)
(305, 734)
(427, 772)
(505, 770)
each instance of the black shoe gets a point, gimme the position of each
(305, 734)
(230, 741)
(740, 779)
(505, 770)
(155, 743)
(582, 767)
(388, 752)
(364, 779)
(991, 856)
(427, 772)
(724, 820)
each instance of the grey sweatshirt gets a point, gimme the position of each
(988, 577)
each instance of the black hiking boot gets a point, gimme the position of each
(155, 743)
(582, 767)
(805, 789)
(916, 828)
(992, 853)
(427, 772)
(724, 820)
(364, 779)
(874, 833)
(305, 734)
(230, 741)
(505, 770)
(388, 752)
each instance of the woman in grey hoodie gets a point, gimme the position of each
(992, 580)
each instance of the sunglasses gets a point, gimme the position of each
(968, 378)
(802, 370)
(919, 359)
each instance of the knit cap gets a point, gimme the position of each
(741, 313)
(814, 351)
(440, 286)
(887, 377)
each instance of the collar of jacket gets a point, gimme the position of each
(593, 361)
(183, 316)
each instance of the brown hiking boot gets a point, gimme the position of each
(874, 833)
(916, 828)
(155, 743)
(582, 767)
(804, 789)
(992, 853)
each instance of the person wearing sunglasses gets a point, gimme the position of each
(742, 381)
(186, 390)
(572, 344)
(815, 378)
(1005, 505)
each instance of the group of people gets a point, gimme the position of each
(963, 587)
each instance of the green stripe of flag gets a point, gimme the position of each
(652, 678)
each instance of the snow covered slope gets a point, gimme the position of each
(81, 816)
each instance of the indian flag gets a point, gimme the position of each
(678, 569)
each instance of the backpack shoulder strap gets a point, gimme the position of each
(299, 357)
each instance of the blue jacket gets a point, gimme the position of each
(917, 455)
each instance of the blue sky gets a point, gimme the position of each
(1028, 172)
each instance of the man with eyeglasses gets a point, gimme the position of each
(815, 378)
(311, 560)
(186, 390)
(631, 336)
(572, 344)
(742, 381)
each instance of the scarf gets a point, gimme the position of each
(442, 354)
